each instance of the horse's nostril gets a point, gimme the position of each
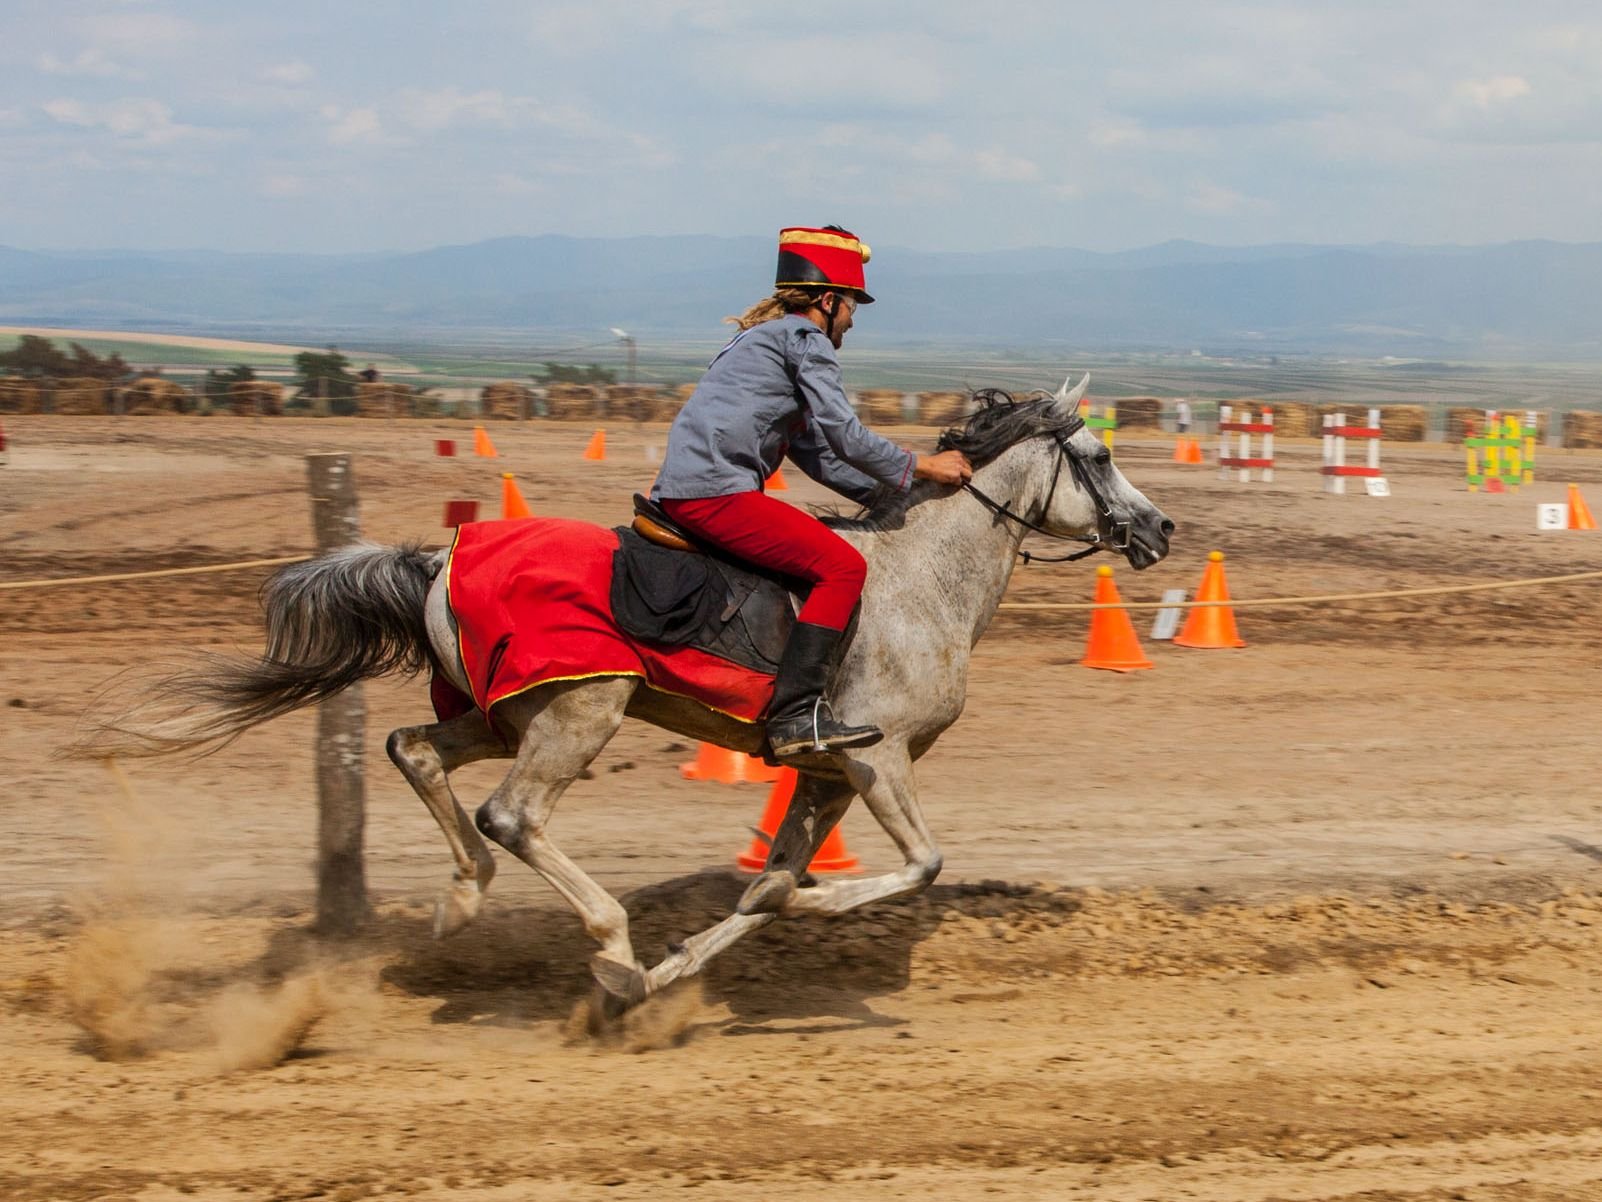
(1167, 527)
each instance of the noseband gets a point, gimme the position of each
(1110, 535)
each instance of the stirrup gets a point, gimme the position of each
(818, 741)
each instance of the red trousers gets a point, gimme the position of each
(758, 529)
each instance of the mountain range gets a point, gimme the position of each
(1509, 302)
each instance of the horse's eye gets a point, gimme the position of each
(1103, 457)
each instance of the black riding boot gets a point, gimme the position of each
(799, 722)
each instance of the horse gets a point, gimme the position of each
(939, 560)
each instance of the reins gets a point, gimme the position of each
(1109, 536)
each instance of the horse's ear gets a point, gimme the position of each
(1069, 399)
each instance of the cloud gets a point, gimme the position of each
(1215, 200)
(1499, 89)
(899, 71)
(144, 33)
(283, 186)
(572, 30)
(92, 62)
(353, 125)
(289, 74)
(1007, 168)
(144, 121)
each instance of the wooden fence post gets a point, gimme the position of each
(341, 729)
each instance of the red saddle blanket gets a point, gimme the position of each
(532, 602)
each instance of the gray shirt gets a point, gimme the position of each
(773, 391)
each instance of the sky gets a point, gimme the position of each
(940, 125)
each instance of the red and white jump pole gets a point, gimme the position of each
(1245, 427)
(1336, 470)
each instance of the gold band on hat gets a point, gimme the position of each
(821, 238)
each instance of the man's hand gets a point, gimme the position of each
(947, 467)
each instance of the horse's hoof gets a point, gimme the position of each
(625, 982)
(768, 894)
(459, 906)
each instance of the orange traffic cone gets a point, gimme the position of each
(1112, 643)
(775, 482)
(1211, 625)
(482, 444)
(727, 767)
(512, 503)
(597, 446)
(1579, 512)
(1181, 449)
(1194, 452)
(831, 857)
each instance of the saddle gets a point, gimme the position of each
(668, 590)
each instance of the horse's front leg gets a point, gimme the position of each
(883, 775)
(815, 809)
(426, 755)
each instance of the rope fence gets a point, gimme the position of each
(1235, 603)
(6, 585)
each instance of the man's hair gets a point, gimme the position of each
(783, 301)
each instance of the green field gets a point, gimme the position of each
(455, 363)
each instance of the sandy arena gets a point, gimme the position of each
(1315, 920)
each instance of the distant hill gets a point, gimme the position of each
(1514, 301)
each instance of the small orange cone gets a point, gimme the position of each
(1194, 454)
(1579, 512)
(1181, 449)
(512, 503)
(597, 446)
(831, 857)
(482, 444)
(1211, 625)
(775, 482)
(727, 767)
(1112, 643)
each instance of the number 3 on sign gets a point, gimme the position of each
(1377, 486)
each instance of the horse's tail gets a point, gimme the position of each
(343, 617)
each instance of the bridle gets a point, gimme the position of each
(1110, 535)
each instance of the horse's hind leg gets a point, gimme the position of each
(564, 728)
(426, 755)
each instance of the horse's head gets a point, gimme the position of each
(1061, 481)
(1102, 504)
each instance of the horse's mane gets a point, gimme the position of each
(998, 421)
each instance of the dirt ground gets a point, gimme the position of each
(1318, 919)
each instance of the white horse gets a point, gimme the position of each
(939, 560)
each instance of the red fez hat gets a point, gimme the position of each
(827, 258)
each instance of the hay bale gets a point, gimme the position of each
(1405, 423)
(640, 403)
(383, 399)
(249, 397)
(943, 408)
(80, 397)
(20, 396)
(1583, 429)
(575, 402)
(506, 400)
(1292, 419)
(152, 395)
(1462, 422)
(1140, 412)
(880, 406)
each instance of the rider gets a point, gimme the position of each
(773, 391)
